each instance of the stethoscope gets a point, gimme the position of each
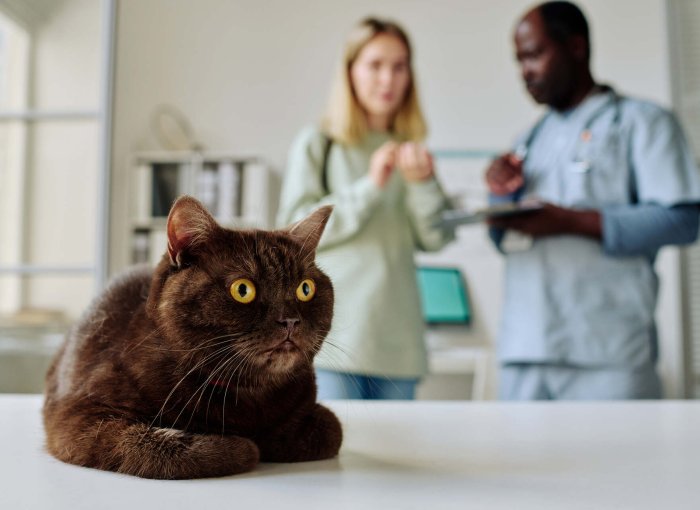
(581, 163)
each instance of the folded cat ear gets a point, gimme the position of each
(189, 225)
(309, 230)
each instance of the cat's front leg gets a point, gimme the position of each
(316, 435)
(117, 444)
(174, 454)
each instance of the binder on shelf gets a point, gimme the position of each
(187, 178)
(228, 192)
(140, 245)
(158, 245)
(142, 194)
(165, 186)
(233, 189)
(207, 185)
(255, 204)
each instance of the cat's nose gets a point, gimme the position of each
(290, 324)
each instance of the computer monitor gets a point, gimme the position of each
(443, 295)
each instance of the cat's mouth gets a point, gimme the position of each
(283, 356)
(286, 345)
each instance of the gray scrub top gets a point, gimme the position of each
(566, 301)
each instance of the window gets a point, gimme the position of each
(14, 66)
(55, 77)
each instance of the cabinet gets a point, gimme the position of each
(234, 189)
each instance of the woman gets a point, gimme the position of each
(366, 159)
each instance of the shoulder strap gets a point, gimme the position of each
(324, 164)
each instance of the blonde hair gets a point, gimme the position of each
(344, 119)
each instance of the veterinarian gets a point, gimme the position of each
(619, 182)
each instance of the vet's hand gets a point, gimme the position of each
(505, 175)
(553, 220)
(415, 162)
(382, 163)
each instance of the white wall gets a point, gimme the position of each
(249, 74)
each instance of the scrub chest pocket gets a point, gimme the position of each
(599, 173)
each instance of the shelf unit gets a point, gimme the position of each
(234, 189)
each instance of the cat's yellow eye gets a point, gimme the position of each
(306, 290)
(243, 290)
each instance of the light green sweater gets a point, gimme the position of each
(367, 250)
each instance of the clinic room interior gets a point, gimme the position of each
(109, 110)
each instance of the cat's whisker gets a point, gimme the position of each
(201, 387)
(334, 348)
(205, 345)
(240, 369)
(201, 362)
(244, 360)
(337, 366)
(330, 357)
(184, 361)
(149, 336)
(220, 368)
(227, 364)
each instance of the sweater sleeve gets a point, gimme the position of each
(302, 192)
(425, 201)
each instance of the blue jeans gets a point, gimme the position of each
(342, 385)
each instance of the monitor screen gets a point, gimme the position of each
(443, 295)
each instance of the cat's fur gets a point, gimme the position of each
(167, 376)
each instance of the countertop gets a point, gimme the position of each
(422, 454)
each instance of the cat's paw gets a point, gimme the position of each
(173, 454)
(225, 455)
(317, 436)
(330, 433)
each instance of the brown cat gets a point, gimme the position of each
(203, 367)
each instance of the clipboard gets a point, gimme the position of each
(456, 218)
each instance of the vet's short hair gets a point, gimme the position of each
(562, 20)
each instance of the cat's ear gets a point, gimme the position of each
(189, 226)
(309, 230)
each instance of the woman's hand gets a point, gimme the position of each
(382, 163)
(415, 162)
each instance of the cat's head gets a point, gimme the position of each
(252, 301)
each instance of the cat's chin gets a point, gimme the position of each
(284, 357)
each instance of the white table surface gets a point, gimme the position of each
(427, 455)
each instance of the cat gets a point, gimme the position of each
(203, 366)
